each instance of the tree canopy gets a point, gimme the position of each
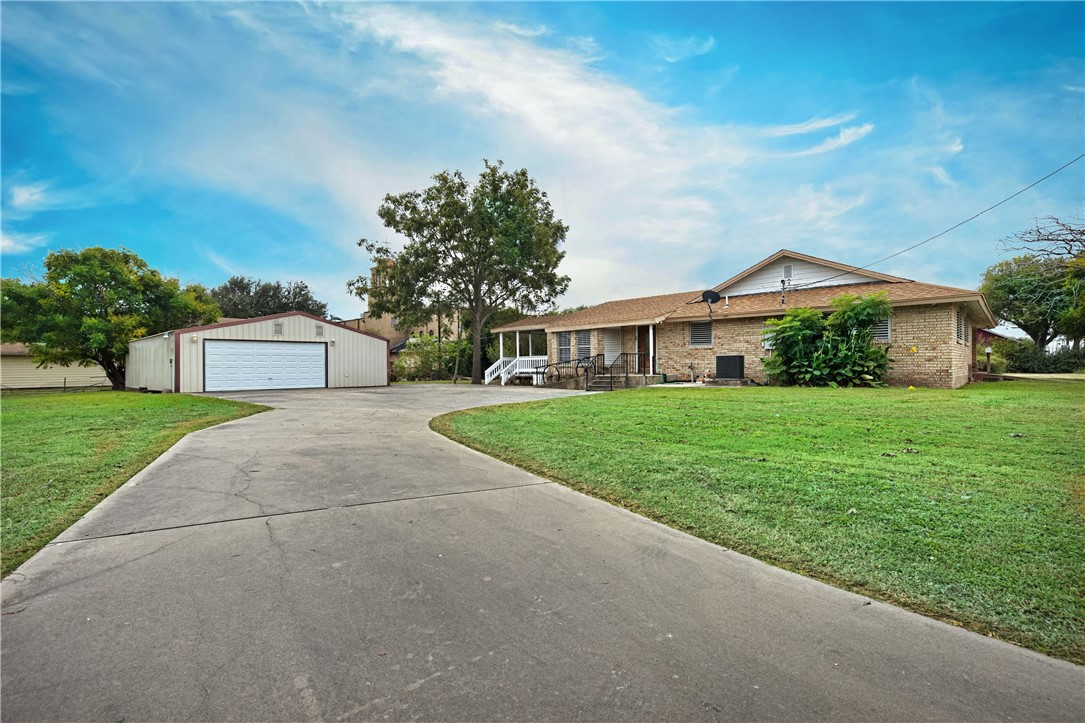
(474, 248)
(1042, 291)
(1029, 292)
(91, 303)
(242, 297)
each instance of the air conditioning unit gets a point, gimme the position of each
(730, 367)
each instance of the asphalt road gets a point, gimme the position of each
(334, 559)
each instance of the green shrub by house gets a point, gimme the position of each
(810, 349)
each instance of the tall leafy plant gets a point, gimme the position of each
(812, 349)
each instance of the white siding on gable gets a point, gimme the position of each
(802, 273)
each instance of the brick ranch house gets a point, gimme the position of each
(932, 333)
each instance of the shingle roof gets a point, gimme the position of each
(688, 305)
(13, 349)
(678, 307)
(643, 309)
(900, 294)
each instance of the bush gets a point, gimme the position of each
(810, 349)
(420, 360)
(1027, 358)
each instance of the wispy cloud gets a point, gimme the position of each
(309, 114)
(814, 124)
(940, 174)
(522, 31)
(845, 137)
(674, 49)
(29, 197)
(20, 243)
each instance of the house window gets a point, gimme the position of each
(766, 338)
(964, 329)
(565, 343)
(583, 343)
(319, 330)
(277, 330)
(787, 271)
(882, 331)
(700, 333)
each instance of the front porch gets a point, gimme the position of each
(595, 359)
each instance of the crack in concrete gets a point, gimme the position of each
(297, 512)
(97, 573)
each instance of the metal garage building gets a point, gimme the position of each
(294, 350)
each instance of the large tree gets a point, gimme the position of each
(242, 297)
(1059, 239)
(91, 303)
(475, 248)
(1030, 292)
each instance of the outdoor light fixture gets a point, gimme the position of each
(194, 339)
(332, 342)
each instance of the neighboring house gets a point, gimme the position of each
(397, 340)
(932, 333)
(294, 350)
(19, 371)
(385, 326)
(986, 336)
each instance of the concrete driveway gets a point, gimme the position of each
(335, 559)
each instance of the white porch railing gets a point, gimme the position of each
(509, 366)
(496, 368)
(522, 365)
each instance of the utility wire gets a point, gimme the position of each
(951, 228)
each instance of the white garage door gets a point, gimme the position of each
(238, 365)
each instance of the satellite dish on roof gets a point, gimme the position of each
(710, 297)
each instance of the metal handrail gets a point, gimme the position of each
(557, 371)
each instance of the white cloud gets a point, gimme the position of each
(814, 124)
(674, 49)
(29, 197)
(940, 174)
(522, 31)
(21, 243)
(845, 137)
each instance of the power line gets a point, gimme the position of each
(943, 233)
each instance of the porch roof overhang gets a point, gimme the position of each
(605, 324)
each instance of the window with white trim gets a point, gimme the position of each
(319, 330)
(788, 268)
(583, 343)
(700, 333)
(882, 331)
(766, 337)
(277, 330)
(565, 346)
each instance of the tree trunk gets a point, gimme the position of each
(476, 343)
(114, 373)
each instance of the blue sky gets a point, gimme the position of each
(680, 142)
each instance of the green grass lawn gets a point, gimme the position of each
(967, 505)
(62, 453)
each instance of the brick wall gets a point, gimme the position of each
(924, 349)
(729, 336)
